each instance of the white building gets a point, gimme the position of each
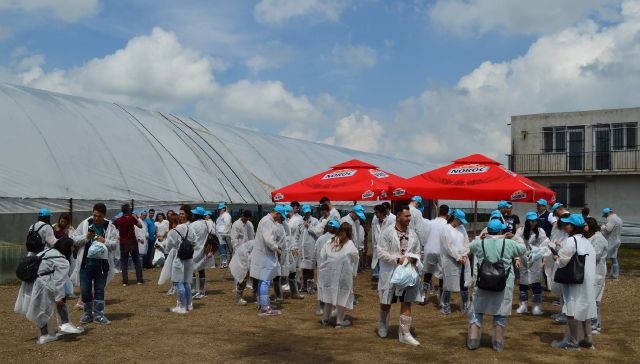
(589, 158)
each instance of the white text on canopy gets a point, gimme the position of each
(469, 169)
(340, 174)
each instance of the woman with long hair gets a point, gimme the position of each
(534, 241)
(579, 299)
(600, 245)
(339, 265)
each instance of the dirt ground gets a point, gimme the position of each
(144, 331)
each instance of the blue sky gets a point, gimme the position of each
(443, 76)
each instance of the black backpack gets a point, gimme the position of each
(34, 240)
(185, 250)
(573, 272)
(27, 269)
(492, 276)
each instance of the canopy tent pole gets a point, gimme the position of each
(475, 218)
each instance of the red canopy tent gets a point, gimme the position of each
(349, 181)
(474, 178)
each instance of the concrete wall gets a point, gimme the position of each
(531, 141)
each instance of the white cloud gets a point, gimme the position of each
(586, 66)
(152, 70)
(66, 10)
(476, 17)
(278, 12)
(354, 55)
(358, 131)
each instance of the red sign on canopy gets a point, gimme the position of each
(474, 178)
(350, 181)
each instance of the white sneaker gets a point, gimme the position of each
(241, 302)
(197, 296)
(319, 311)
(46, 339)
(523, 308)
(537, 311)
(178, 310)
(286, 288)
(190, 307)
(408, 339)
(70, 329)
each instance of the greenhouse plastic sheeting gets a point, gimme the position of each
(57, 147)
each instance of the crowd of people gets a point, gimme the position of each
(294, 251)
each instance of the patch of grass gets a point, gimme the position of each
(629, 260)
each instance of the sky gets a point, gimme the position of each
(428, 81)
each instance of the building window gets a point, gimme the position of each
(570, 194)
(624, 136)
(554, 139)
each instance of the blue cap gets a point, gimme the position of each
(495, 213)
(208, 213)
(287, 208)
(531, 216)
(306, 209)
(458, 214)
(496, 226)
(281, 210)
(417, 199)
(421, 208)
(44, 212)
(555, 206)
(199, 211)
(144, 212)
(542, 202)
(503, 204)
(605, 211)
(334, 223)
(221, 205)
(359, 210)
(574, 219)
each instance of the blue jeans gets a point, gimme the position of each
(376, 271)
(478, 318)
(68, 288)
(263, 294)
(537, 292)
(92, 283)
(184, 293)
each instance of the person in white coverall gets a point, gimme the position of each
(339, 265)
(612, 230)
(456, 270)
(305, 240)
(380, 222)
(264, 258)
(600, 245)
(398, 246)
(223, 230)
(242, 230)
(534, 241)
(579, 299)
(179, 270)
(37, 300)
(417, 223)
(431, 262)
(330, 230)
(202, 257)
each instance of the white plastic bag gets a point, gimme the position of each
(405, 275)
(142, 248)
(97, 250)
(158, 258)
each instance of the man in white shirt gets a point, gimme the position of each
(612, 230)
(223, 230)
(332, 210)
(44, 229)
(417, 209)
(379, 223)
(431, 262)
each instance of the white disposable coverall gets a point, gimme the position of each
(241, 261)
(305, 241)
(112, 241)
(388, 253)
(531, 271)
(600, 246)
(264, 260)
(454, 244)
(377, 227)
(37, 300)
(431, 260)
(612, 231)
(579, 299)
(175, 268)
(336, 273)
(200, 232)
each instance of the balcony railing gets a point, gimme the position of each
(587, 162)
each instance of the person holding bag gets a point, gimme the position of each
(494, 276)
(576, 271)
